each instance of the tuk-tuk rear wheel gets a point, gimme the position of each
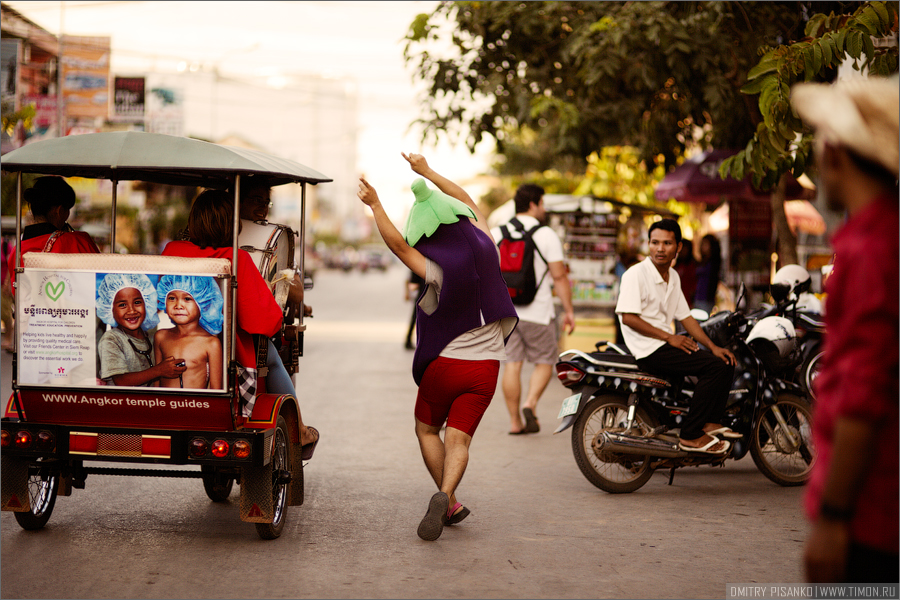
(281, 462)
(42, 491)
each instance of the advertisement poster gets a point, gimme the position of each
(85, 69)
(128, 98)
(129, 330)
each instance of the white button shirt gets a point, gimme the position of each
(644, 292)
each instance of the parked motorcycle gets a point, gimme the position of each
(625, 421)
(792, 283)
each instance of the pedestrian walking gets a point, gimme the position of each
(851, 497)
(536, 337)
(464, 318)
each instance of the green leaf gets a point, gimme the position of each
(754, 87)
(854, 44)
(870, 19)
(840, 41)
(868, 48)
(767, 64)
(814, 24)
(808, 64)
(825, 45)
(818, 58)
(883, 14)
(799, 166)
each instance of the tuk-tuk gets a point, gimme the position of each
(62, 418)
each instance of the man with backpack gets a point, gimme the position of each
(531, 260)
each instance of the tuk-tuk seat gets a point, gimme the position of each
(146, 263)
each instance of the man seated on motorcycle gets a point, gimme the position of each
(650, 297)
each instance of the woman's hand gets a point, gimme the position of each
(417, 162)
(367, 193)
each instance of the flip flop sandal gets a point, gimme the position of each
(432, 524)
(706, 449)
(531, 424)
(453, 519)
(725, 432)
(306, 450)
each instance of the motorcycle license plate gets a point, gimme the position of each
(569, 406)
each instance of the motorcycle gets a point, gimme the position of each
(625, 421)
(790, 289)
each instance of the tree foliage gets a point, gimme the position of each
(659, 76)
(778, 145)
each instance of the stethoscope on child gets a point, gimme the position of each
(146, 354)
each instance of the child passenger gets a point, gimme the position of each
(195, 306)
(125, 351)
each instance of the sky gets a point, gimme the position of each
(361, 42)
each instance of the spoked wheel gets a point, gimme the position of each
(42, 489)
(611, 472)
(781, 444)
(216, 485)
(809, 371)
(281, 464)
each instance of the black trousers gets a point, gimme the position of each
(714, 377)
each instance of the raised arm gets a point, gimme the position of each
(420, 166)
(410, 257)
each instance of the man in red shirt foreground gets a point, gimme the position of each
(852, 494)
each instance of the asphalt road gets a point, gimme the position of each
(538, 529)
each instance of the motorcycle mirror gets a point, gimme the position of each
(779, 291)
(699, 314)
(741, 291)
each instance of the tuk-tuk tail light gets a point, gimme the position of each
(198, 447)
(45, 440)
(241, 449)
(220, 448)
(23, 439)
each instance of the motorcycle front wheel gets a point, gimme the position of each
(781, 444)
(611, 472)
(809, 371)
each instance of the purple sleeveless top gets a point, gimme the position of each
(472, 287)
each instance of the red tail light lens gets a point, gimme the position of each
(220, 448)
(6, 439)
(568, 374)
(45, 440)
(23, 439)
(198, 447)
(241, 449)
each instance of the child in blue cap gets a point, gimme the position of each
(125, 350)
(196, 308)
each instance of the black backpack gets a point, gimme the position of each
(517, 262)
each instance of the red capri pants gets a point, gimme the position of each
(458, 391)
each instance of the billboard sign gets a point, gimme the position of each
(128, 98)
(85, 70)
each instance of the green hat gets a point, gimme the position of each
(432, 209)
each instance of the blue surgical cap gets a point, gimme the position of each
(109, 286)
(206, 294)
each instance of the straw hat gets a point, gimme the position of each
(862, 114)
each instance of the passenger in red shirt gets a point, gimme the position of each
(210, 234)
(51, 199)
(852, 494)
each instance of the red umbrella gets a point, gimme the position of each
(697, 180)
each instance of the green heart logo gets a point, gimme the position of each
(54, 291)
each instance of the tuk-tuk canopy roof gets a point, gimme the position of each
(154, 157)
